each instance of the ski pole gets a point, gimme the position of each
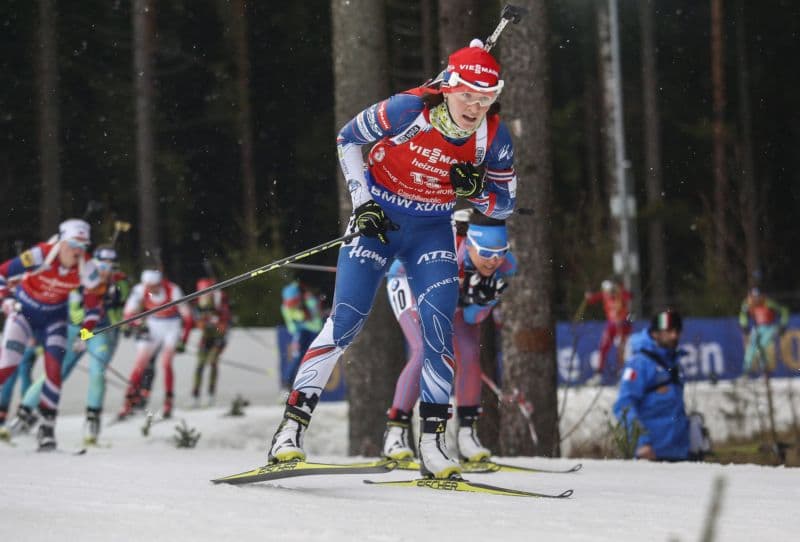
(578, 423)
(237, 364)
(509, 14)
(255, 337)
(118, 374)
(86, 334)
(525, 408)
(577, 320)
(111, 382)
(245, 366)
(119, 227)
(311, 267)
(576, 337)
(764, 362)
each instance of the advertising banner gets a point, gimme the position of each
(714, 350)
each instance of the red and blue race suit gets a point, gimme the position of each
(467, 331)
(41, 286)
(408, 175)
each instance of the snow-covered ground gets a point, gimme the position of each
(144, 488)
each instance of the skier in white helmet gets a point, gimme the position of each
(35, 287)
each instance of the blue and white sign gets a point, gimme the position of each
(714, 349)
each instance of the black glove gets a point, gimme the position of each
(180, 347)
(488, 289)
(372, 222)
(480, 290)
(466, 180)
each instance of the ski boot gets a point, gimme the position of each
(434, 458)
(24, 421)
(127, 408)
(470, 448)
(92, 426)
(140, 400)
(396, 444)
(287, 444)
(46, 434)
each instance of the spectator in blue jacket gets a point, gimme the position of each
(651, 391)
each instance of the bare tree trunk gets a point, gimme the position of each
(245, 126)
(594, 163)
(529, 353)
(426, 31)
(607, 100)
(652, 151)
(592, 146)
(375, 359)
(749, 195)
(143, 36)
(458, 24)
(721, 188)
(49, 120)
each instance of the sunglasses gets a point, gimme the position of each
(486, 252)
(74, 243)
(104, 265)
(471, 98)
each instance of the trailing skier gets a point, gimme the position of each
(485, 265)
(112, 290)
(212, 315)
(35, 287)
(166, 330)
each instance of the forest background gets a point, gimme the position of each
(210, 126)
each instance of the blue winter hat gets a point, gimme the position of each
(487, 236)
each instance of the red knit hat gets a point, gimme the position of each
(472, 68)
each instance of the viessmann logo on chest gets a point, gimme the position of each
(52, 283)
(432, 155)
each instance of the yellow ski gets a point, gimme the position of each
(449, 484)
(490, 466)
(290, 469)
